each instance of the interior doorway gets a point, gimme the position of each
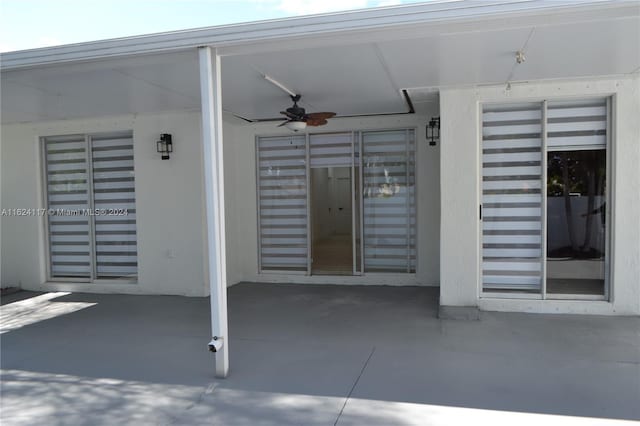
(332, 221)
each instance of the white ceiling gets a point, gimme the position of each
(347, 80)
(352, 78)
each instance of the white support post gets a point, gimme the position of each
(211, 98)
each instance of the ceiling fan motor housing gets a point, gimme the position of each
(296, 114)
(297, 111)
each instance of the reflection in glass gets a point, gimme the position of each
(389, 201)
(576, 221)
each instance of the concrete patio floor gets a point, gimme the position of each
(310, 355)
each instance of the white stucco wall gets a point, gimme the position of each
(460, 180)
(242, 226)
(170, 207)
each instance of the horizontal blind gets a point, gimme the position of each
(575, 125)
(114, 192)
(282, 199)
(389, 201)
(511, 197)
(330, 150)
(68, 190)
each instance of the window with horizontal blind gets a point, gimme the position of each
(389, 201)
(511, 197)
(544, 197)
(91, 210)
(372, 176)
(576, 198)
(282, 197)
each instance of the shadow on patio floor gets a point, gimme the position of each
(308, 354)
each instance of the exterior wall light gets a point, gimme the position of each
(165, 145)
(433, 130)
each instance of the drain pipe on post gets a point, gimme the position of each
(211, 98)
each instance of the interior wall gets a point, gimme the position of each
(328, 195)
(320, 217)
(169, 204)
(242, 182)
(340, 200)
(460, 225)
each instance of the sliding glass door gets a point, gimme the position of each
(282, 198)
(511, 198)
(389, 201)
(331, 163)
(337, 203)
(91, 202)
(551, 243)
(68, 188)
(577, 197)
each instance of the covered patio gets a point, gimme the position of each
(234, 202)
(312, 355)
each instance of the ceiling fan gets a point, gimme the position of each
(298, 119)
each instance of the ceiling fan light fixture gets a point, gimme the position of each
(296, 125)
(297, 118)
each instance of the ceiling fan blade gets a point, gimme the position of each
(288, 114)
(316, 121)
(321, 115)
(283, 123)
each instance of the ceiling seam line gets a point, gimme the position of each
(385, 67)
(31, 86)
(522, 49)
(150, 83)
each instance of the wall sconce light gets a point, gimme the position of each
(433, 130)
(164, 145)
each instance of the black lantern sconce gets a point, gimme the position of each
(165, 146)
(433, 130)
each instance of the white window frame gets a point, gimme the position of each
(92, 279)
(609, 189)
(357, 139)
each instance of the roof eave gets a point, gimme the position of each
(248, 33)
